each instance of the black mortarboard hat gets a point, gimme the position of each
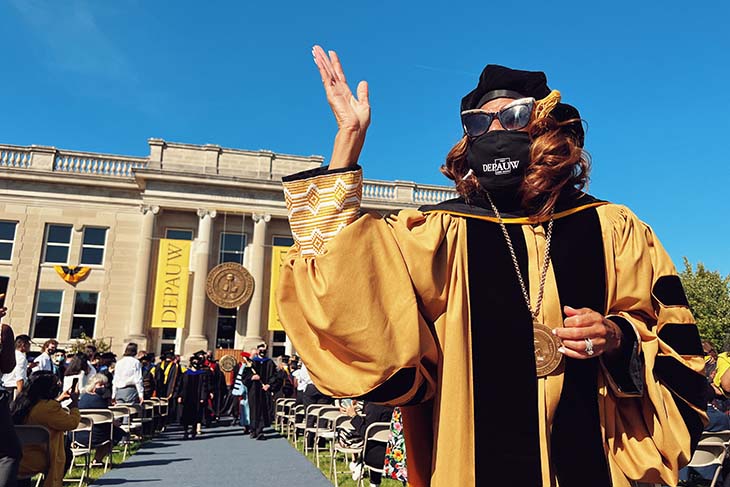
(502, 82)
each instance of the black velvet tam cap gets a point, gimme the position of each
(502, 82)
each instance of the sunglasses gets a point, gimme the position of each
(514, 116)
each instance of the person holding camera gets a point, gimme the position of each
(40, 404)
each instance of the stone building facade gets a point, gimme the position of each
(107, 213)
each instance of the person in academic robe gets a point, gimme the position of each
(534, 335)
(260, 379)
(192, 394)
(239, 392)
(168, 374)
(218, 389)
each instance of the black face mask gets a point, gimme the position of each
(499, 159)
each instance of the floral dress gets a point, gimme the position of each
(395, 453)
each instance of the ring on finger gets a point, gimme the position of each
(589, 347)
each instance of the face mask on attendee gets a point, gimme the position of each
(58, 359)
(499, 158)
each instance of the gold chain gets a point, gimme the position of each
(546, 261)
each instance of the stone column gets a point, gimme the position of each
(141, 279)
(197, 339)
(255, 325)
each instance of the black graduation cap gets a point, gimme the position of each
(501, 82)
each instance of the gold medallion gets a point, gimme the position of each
(227, 363)
(547, 357)
(229, 285)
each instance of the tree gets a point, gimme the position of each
(708, 294)
(80, 344)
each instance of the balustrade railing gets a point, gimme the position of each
(15, 158)
(39, 158)
(378, 191)
(97, 164)
(432, 195)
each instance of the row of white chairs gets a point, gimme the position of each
(291, 420)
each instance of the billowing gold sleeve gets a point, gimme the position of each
(361, 314)
(650, 433)
(361, 311)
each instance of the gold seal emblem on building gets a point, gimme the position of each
(229, 285)
(547, 357)
(227, 363)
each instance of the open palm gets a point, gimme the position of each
(351, 113)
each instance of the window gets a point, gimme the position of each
(232, 247)
(7, 237)
(226, 331)
(92, 248)
(47, 314)
(278, 343)
(283, 241)
(179, 234)
(84, 319)
(58, 241)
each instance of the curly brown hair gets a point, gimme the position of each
(558, 162)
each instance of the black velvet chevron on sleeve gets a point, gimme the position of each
(668, 291)
(684, 338)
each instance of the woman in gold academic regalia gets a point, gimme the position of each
(534, 335)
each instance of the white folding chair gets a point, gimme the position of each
(148, 420)
(342, 421)
(123, 414)
(297, 420)
(37, 436)
(102, 418)
(375, 432)
(137, 417)
(711, 451)
(81, 449)
(313, 411)
(326, 433)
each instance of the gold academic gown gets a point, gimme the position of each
(422, 309)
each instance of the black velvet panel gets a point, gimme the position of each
(397, 385)
(318, 171)
(692, 419)
(668, 290)
(507, 445)
(684, 338)
(580, 271)
(682, 380)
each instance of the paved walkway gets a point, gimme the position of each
(221, 456)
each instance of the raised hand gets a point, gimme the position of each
(351, 113)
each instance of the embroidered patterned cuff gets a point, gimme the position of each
(321, 203)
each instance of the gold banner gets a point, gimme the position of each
(171, 285)
(277, 260)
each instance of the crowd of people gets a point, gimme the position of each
(53, 388)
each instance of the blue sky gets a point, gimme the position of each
(650, 80)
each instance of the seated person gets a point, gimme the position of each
(39, 404)
(98, 396)
(375, 453)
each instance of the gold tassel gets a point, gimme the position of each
(545, 106)
(72, 275)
